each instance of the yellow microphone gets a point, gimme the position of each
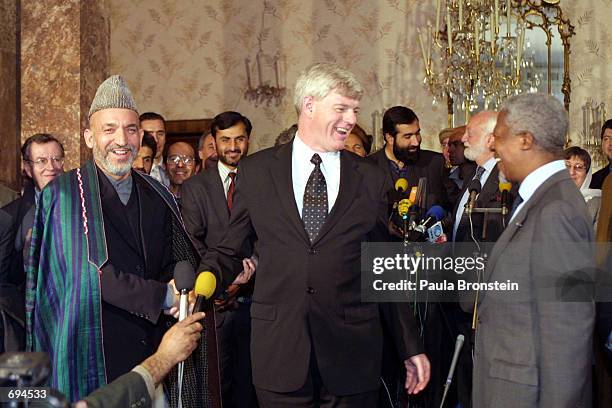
(401, 185)
(504, 187)
(403, 207)
(205, 286)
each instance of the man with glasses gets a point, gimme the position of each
(43, 162)
(180, 164)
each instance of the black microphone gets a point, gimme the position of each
(451, 370)
(184, 279)
(474, 189)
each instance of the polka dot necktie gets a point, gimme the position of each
(314, 210)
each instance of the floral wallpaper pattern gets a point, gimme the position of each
(186, 58)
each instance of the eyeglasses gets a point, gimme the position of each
(41, 162)
(577, 167)
(176, 159)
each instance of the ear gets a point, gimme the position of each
(308, 106)
(27, 167)
(389, 139)
(527, 141)
(490, 141)
(88, 135)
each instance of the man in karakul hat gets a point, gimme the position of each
(104, 245)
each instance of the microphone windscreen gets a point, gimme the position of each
(413, 194)
(436, 212)
(505, 186)
(403, 206)
(184, 275)
(401, 184)
(205, 284)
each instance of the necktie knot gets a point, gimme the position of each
(479, 172)
(316, 159)
(232, 175)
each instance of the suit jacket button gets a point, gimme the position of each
(310, 290)
(143, 342)
(312, 251)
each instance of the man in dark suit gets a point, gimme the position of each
(207, 201)
(402, 156)
(478, 141)
(606, 147)
(533, 349)
(311, 204)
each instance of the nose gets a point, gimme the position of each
(121, 136)
(350, 117)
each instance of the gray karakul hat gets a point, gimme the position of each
(112, 93)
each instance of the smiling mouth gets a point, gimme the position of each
(342, 131)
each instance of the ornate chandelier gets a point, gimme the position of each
(473, 58)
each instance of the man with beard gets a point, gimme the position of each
(478, 140)
(180, 163)
(104, 243)
(207, 204)
(402, 156)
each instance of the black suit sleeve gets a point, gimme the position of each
(127, 291)
(194, 214)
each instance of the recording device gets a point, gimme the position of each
(205, 286)
(451, 370)
(504, 187)
(18, 369)
(474, 189)
(434, 214)
(184, 278)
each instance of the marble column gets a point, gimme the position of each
(64, 56)
(9, 94)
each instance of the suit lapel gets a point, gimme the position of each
(281, 174)
(148, 218)
(518, 222)
(349, 182)
(218, 199)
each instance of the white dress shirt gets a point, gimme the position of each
(224, 172)
(489, 165)
(535, 179)
(301, 167)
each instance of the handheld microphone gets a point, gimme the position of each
(451, 370)
(184, 278)
(474, 189)
(403, 207)
(401, 185)
(435, 213)
(504, 187)
(205, 286)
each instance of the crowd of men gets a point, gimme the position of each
(87, 258)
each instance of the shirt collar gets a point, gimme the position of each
(302, 150)
(537, 177)
(489, 165)
(224, 171)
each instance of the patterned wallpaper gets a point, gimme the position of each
(186, 58)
